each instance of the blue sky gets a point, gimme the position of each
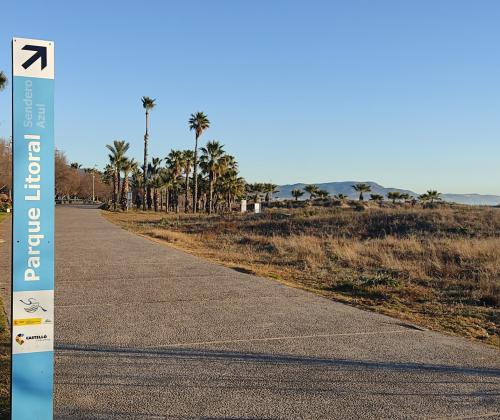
(404, 93)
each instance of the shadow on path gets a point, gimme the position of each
(243, 357)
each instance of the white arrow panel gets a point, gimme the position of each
(21, 56)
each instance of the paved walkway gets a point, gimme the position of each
(145, 331)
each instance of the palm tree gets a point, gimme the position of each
(404, 196)
(187, 160)
(153, 172)
(297, 193)
(255, 190)
(361, 188)
(341, 197)
(174, 163)
(127, 167)
(323, 194)
(213, 162)
(3, 80)
(231, 186)
(393, 195)
(199, 123)
(269, 190)
(137, 185)
(312, 190)
(148, 104)
(433, 195)
(117, 158)
(376, 197)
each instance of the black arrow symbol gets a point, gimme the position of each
(40, 52)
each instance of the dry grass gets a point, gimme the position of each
(4, 365)
(3, 216)
(438, 268)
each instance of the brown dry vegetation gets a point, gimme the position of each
(4, 365)
(439, 268)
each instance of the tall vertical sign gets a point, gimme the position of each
(33, 229)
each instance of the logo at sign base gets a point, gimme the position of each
(19, 339)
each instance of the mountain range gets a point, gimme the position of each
(345, 187)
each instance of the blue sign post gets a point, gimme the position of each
(33, 229)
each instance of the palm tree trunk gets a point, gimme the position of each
(211, 194)
(195, 176)
(155, 199)
(146, 137)
(124, 194)
(186, 198)
(115, 192)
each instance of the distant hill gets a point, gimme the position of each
(345, 187)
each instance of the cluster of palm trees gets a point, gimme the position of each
(173, 181)
(260, 190)
(315, 192)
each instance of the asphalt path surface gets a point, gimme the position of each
(147, 331)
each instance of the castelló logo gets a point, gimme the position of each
(32, 305)
(21, 338)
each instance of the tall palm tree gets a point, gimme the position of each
(297, 193)
(127, 167)
(3, 80)
(148, 104)
(213, 162)
(117, 158)
(198, 123)
(187, 161)
(312, 190)
(361, 188)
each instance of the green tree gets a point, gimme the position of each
(393, 195)
(231, 187)
(376, 197)
(269, 189)
(312, 190)
(255, 190)
(341, 197)
(148, 104)
(117, 158)
(361, 188)
(198, 123)
(153, 173)
(297, 193)
(323, 194)
(175, 165)
(187, 161)
(128, 166)
(433, 195)
(213, 162)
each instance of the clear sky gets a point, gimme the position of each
(404, 93)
